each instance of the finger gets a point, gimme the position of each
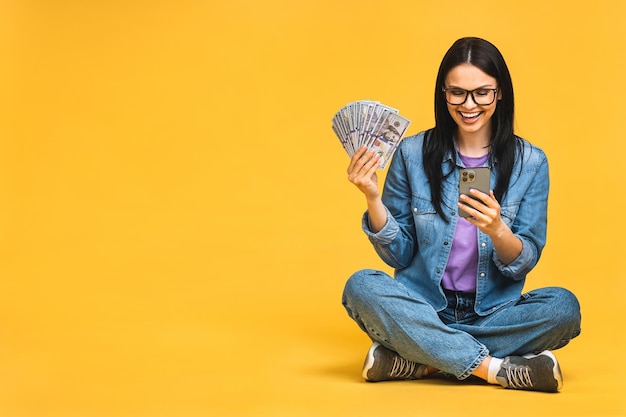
(367, 169)
(363, 168)
(488, 199)
(356, 158)
(480, 195)
(365, 162)
(489, 209)
(475, 217)
(496, 203)
(474, 207)
(372, 165)
(372, 157)
(469, 210)
(472, 202)
(486, 202)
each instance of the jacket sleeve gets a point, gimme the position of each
(530, 223)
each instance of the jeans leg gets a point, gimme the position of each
(402, 322)
(546, 318)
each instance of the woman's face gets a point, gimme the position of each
(472, 118)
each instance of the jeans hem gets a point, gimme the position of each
(481, 357)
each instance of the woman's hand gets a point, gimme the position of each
(484, 212)
(485, 215)
(362, 172)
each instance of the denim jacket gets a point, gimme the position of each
(416, 241)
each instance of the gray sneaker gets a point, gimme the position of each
(382, 364)
(531, 372)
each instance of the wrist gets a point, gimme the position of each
(501, 232)
(373, 199)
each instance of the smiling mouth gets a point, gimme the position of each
(470, 116)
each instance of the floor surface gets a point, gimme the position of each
(271, 359)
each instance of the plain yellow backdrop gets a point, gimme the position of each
(176, 225)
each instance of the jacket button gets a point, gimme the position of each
(415, 210)
(445, 243)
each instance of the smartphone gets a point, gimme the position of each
(477, 178)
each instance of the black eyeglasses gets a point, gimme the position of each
(481, 96)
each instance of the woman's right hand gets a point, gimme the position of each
(362, 172)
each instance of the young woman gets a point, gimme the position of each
(455, 304)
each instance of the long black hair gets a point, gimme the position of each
(440, 139)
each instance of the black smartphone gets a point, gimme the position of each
(477, 178)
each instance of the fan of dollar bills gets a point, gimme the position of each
(372, 124)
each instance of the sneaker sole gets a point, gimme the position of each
(556, 369)
(369, 360)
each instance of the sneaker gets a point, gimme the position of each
(531, 372)
(382, 364)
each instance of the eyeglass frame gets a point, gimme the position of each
(467, 94)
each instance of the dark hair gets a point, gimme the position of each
(440, 139)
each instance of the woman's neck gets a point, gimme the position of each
(472, 145)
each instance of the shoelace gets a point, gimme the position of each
(403, 368)
(518, 377)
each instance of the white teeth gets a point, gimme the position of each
(470, 115)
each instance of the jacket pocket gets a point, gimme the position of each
(424, 217)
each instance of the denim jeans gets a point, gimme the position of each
(456, 340)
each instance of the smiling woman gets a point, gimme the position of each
(455, 304)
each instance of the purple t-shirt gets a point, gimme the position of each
(462, 266)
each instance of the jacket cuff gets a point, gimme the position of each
(385, 235)
(520, 266)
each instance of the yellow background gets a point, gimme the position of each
(176, 225)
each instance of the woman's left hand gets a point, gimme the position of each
(486, 216)
(484, 212)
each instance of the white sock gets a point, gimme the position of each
(494, 367)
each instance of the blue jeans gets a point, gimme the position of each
(456, 340)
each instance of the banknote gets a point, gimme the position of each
(372, 124)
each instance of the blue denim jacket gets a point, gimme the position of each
(417, 242)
